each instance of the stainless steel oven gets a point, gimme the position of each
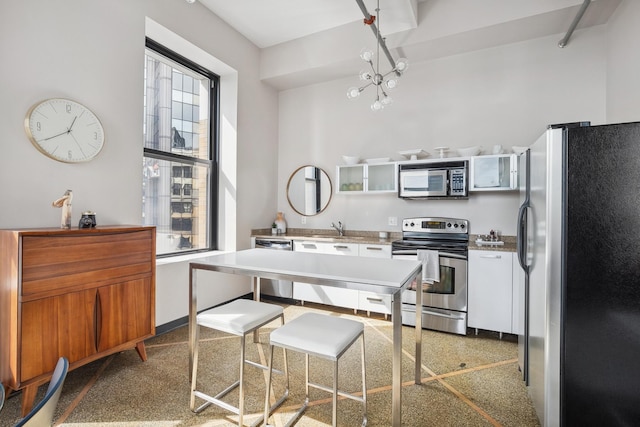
(444, 301)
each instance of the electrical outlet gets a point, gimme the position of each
(303, 220)
(393, 220)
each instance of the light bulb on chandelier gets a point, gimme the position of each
(374, 77)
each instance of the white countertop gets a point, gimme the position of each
(381, 275)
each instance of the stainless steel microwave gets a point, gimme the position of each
(433, 180)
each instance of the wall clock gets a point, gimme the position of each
(64, 130)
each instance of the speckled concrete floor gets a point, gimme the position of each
(467, 381)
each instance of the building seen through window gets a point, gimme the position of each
(179, 146)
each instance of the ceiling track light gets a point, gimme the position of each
(373, 76)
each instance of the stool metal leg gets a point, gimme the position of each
(241, 387)
(364, 383)
(192, 402)
(334, 417)
(267, 409)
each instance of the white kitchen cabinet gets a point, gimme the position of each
(370, 301)
(490, 290)
(367, 178)
(347, 298)
(493, 173)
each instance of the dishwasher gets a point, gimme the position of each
(276, 288)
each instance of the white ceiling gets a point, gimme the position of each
(419, 30)
(270, 22)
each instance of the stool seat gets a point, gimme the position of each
(239, 316)
(318, 334)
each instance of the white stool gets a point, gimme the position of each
(323, 336)
(240, 317)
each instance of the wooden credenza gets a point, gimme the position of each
(79, 293)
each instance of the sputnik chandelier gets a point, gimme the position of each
(374, 77)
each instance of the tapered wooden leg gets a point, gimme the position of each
(142, 351)
(28, 396)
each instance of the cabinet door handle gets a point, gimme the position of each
(373, 248)
(340, 247)
(372, 299)
(97, 313)
(491, 256)
(309, 245)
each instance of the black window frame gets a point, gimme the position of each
(214, 144)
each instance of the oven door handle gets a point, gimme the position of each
(448, 315)
(412, 253)
(450, 255)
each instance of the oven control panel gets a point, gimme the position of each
(435, 225)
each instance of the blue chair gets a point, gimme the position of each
(42, 414)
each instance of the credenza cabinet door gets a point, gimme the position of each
(124, 313)
(55, 326)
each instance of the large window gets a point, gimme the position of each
(180, 151)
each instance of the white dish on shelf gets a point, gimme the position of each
(413, 154)
(469, 151)
(378, 160)
(519, 150)
(441, 150)
(351, 160)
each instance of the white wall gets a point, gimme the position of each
(623, 64)
(505, 95)
(93, 52)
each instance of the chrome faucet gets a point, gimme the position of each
(339, 228)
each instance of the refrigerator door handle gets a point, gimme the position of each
(522, 237)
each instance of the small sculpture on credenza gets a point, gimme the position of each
(64, 202)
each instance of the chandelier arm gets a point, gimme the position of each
(361, 88)
(392, 71)
(381, 41)
(372, 67)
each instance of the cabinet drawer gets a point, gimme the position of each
(375, 251)
(339, 297)
(57, 264)
(307, 246)
(350, 249)
(370, 301)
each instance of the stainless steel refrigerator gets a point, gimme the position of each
(579, 249)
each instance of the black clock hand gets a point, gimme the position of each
(74, 120)
(55, 136)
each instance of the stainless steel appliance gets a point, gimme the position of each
(578, 245)
(444, 302)
(276, 288)
(433, 180)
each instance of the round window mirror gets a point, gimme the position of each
(309, 190)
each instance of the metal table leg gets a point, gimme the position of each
(418, 332)
(193, 311)
(396, 380)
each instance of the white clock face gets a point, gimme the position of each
(64, 130)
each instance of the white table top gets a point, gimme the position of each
(381, 275)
